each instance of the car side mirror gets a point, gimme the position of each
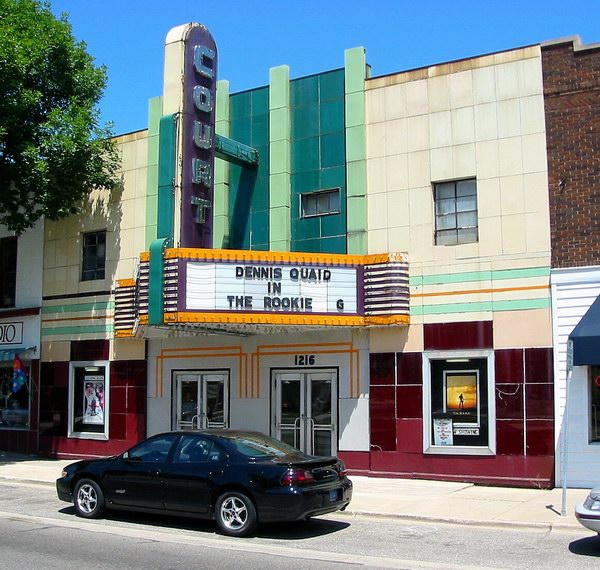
(127, 457)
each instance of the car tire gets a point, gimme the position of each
(88, 499)
(235, 514)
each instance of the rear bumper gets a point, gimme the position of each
(297, 503)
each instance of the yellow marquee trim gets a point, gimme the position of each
(388, 320)
(124, 333)
(277, 256)
(283, 319)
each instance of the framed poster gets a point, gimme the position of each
(93, 400)
(461, 397)
(89, 404)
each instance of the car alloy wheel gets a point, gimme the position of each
(89, 499)
(235, 514)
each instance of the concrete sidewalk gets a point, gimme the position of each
(407, 499)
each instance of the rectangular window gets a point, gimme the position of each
(459, 403)
(88, 400)
(15, 400)
(320, 203)
(455, 212)
(595, 405)
(8, 271)
(94, 256)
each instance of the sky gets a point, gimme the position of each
(310, 36)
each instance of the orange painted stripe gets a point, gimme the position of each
(203, 352)
(77, 319)
(354, 377)
(205, 348)
(305, 344)
(475, 291)
(316, 351)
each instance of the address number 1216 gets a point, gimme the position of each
(304, 359)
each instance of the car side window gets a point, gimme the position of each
(216, 453)
(196, 449)
(154, 451)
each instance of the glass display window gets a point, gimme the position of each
(459, 410)
(15, 396)
(88, 400)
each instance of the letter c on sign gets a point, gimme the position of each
(597, 381)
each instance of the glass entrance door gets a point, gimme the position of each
(305, 410)
(201, 400)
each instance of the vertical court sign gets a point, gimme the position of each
(198, 147)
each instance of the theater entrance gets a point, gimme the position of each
(201, 400)
(304, 410)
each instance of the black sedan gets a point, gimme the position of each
(239, 478)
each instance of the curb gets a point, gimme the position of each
(521, 525)
(25, 481)
(508, 525)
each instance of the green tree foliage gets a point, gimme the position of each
(53, 150)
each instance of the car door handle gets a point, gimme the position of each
(218, 472)
(154, 472)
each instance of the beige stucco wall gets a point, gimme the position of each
(482, 118)
(121, 212)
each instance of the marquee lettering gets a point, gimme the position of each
(204, 61)
(198, 132)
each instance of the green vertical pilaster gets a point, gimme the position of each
(167, 158)
(280, 195)
(156, 281)
(221, 195)
(356, 156)
(154, 115)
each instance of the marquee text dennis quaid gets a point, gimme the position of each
(275, 278)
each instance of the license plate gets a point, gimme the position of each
(333, 496)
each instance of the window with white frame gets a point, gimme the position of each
(320, 203)
(88, 400)
(455, 212)
(459, 408)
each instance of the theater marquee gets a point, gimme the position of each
(271, 288)
(237, 290)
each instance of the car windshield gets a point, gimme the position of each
(252, 445)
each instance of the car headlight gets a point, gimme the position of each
(592, 504)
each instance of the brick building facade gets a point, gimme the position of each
(572, 104)
(572, 110)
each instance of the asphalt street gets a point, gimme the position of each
(41, 532)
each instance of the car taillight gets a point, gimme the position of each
(297, 477)
(341, 469)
